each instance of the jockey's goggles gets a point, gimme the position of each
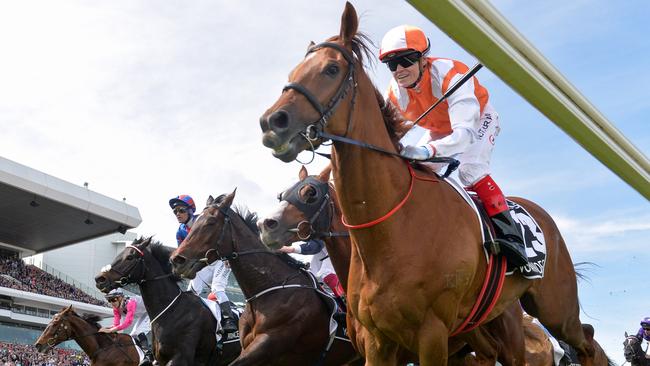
(178, 210)
(405, 61)
(646, 327)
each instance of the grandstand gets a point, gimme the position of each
(39, 213)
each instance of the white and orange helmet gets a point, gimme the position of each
(403, 39)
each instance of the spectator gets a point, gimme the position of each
(15, 354)
(33, 279)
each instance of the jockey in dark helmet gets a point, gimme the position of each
(214, 275)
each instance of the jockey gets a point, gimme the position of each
(320, 266)
(463, 126)
(136, 314)
(214, 275)
(644, 331)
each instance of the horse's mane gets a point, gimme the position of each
(161, 253)
(250, 219)
(92, 319)
(291, 261)
(393, 120)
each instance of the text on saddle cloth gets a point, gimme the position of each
(528, 228)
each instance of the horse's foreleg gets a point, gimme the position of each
(380, 352)
(433, 342)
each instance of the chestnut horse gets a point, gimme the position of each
(417, 262)
(309, 209)
(103, 349)
(286, 319)
(179, 339)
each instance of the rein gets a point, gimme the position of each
(68, 335)
(316, 129)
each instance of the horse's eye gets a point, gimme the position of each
(310, 194)
(332, 70)
(129, 257)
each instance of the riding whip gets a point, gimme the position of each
(450, 91)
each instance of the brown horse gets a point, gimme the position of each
(309, 209)
(417, 262)
(286, 320)
(103, 349)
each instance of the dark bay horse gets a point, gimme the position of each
(309, 209)
(179, 339)
(633, 351)
(102, 349)
(286, 321)
(417, 263)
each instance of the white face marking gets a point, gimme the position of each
(106, 268)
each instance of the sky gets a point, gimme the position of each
(150, 99)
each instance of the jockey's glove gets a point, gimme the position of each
(422, 152)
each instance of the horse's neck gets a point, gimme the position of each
(338, 247)
(157, 294)
(87, 336)
(369, 184)
(259, 271)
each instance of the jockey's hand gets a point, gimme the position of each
(417, 152)
(287, 250)
(107, 330)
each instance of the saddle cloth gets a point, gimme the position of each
(337, 323)
(216, 312)
(137, 348)
(528, 229)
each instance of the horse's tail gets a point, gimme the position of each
(581, 268)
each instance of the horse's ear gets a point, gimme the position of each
(324, 176)
(349, 24)
(227, 200)
(588, 331)
(626, 335)
(146, 242)
(311, 44)
(302, 174)
(69, 308)
(209, 201)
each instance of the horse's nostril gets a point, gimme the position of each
(279, 120)
(270, 224)
(100, 279)
(179, 259)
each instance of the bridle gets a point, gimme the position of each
(234, 252)
(316, 130)
(633, 343)
(317, 223)
(126, 276)
(52, 341)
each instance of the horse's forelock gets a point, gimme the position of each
(361, 47)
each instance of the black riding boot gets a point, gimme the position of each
(228, 322)
(509, 239)
(143, 342)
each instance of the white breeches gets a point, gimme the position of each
(321, 265)
(140, 325)
(214, 276)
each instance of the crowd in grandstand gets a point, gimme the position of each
(13, 354)
(33, 279)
